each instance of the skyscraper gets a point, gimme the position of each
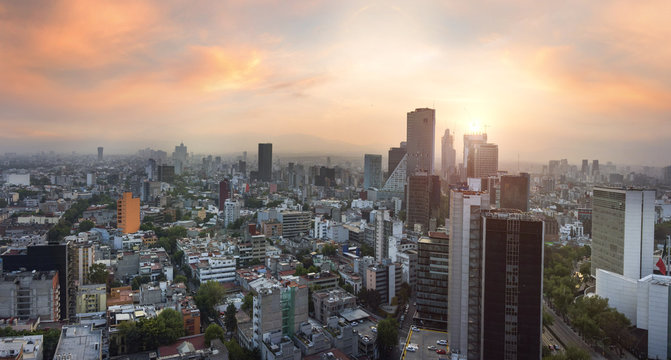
(422, 199)
(448, 155)
(421, 135)
(470, 139)
(465, 254)
(265, 162)
(179, 157)
(396, 154)
(515, 192)
(585, 167)
(595, 167)
(100, 153)
(372, 171)
(224, 193)
(128, 213)
(512, 286)
(623, 225)
(483, 160)
(432, 280)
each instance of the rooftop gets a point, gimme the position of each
(81, 342)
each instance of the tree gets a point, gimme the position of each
(367, 250)
(86, 225)
(139, 280)
(387, 335)
(229, 318)
(570, 353)
(548, 319)
(328, 250)
(247, 304)
(180, 279)
(212, 332)
(349, 288)
(174, 325)
(209, 295)
(98, 274)
(585, 268)
(300, 270)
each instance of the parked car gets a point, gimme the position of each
(431, 347)
(441, 351)
(441, 342)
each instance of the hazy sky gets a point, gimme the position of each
(550, 79)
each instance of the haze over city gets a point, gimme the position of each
(557, 79)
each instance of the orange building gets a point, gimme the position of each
(128, 213)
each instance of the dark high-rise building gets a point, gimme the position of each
(372, 171)
(515, 192)
(512, 285)
(46, 258)
(667, 175)
(242, 167)
(325, 177)
(421, 136)
(432, 280)
(224, 193)
(166, 173)
(100, 153)
(483, 160)
(595, 167)
(395, 156)
(265, 162)
(448, 158)
(422, 199)
(585, 167)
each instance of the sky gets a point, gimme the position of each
(548, 80)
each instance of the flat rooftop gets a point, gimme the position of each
(423, 339)
(79, 341)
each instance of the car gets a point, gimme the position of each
(411, 348)
(441, 351)
(374, 329)
(441, 342)
(431, 347)
(556, 347)
(354, 323)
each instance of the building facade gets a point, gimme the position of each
(265, 162)
(421, 135)
(372, 171)
(432, 280)
(623, 231)
(514, 192)
(128, 213)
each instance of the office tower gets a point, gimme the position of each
(553, 167)
(396, 154)
(224, 193)
(151, 170)
(464, 277)
(448, 157)
(82, 257)
(179, 157)
(483, 160)
(166, 173)
(128, 213)
(469, 140)
(265, 162)
(432, 280)
(277, 307)
(91, 179)
(372, 171)
(512, 286)
(667, 175)
(422, 200)
(514, 190)
(386, 231)
(595, 167)
(585, 167)
(421, 135)
(242, 167)
(100, 153)
(623, 224)
(45, 258)
(295, 223)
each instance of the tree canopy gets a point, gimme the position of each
(387, 335)
(212, 332)
(209, 295)
(98, 274)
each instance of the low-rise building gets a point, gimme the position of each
(320, 280)
(328, 303)
(29, 347)
(91, 298)
(80, 342)
(30, 294)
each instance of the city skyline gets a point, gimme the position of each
(78, 75)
